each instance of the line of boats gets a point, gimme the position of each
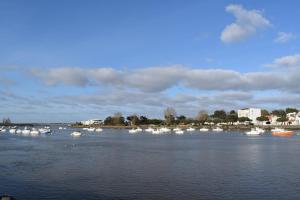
(155, 131)
(275, 132)
(177, 131)
(26, 131)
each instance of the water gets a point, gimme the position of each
(115, 165)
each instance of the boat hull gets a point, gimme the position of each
(283, 133)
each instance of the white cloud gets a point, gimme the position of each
(283, 37)
(291, 61)
(246, 24)
(157, 79)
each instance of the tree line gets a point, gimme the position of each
(171, 118)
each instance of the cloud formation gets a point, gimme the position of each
(283, 37)
(158, 79)
(247, 22)
(286, 62)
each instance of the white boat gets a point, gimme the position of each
(149, 130)
(218, 129)
(133, 131)
(253, 132)
(25, 131)
(2, 130)
(85, 129)
(44, 130)
(76, 134)
(190, 129)
(99, 130)
(179, 132)
(34, 132)
(176, 129)
(19, 131)
(277, 130)
(204, 129)
(260, 130)
(60, 128)
(139, 129)
(164, 130)
(13, 131)
(156, 132)
(91, 129)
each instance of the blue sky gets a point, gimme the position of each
(73, 60)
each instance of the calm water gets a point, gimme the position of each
(117, 165)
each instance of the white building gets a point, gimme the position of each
(251, 113)
(91, 122)
(294, 118)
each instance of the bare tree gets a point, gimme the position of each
(202, 116)
(170, 115)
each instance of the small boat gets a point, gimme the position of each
(253, 132)
(179, 132)
(176, 129)
(99, 130)
(13, 131)
(260, 130)
(34, 132)
(218, 129)
(60, 128)
(44, 130)
(19, 131)
(2, 130)
(190, 129)
(164, 130)
(133, 131)
(282, 132)
(91, 129)
(76, 134)
(149, 130)
(156, 132)
(204, 129)
(25, 131)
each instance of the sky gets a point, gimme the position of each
(71, 60)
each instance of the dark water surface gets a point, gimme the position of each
(117, 165)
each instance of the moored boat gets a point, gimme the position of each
(204, 129)
(282, 132)
(75, 134)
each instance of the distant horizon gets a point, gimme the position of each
(90, 60)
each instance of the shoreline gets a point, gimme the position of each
(225, 127)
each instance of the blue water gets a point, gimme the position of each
(116, 165)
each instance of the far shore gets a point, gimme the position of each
(225, 127)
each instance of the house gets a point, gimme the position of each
(293, 118)
(251, 113)
(273, 119)
(91, 122)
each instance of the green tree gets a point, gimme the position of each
(220, 114)
(144, 120)
(279, 113)
(108, 121)
(282, 119)
(231, 118)
(181, 119)
(244, 119)
(262, 119)
(134, 120)
(264, 112)
(291, 110)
